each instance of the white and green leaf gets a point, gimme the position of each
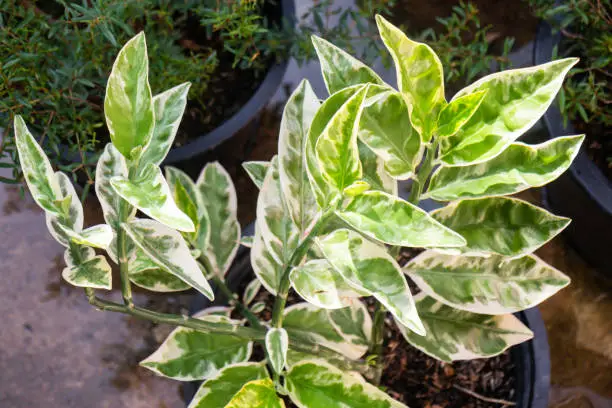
(128, 104)
(457, 113)
(367, 266)
(218, 196)
(112, 164)
(86, 270)
(147, 274)
(517, 168)
(256, 171)
(257, 394)
(190, 355)
(98, 236)
(491, 285)
(374, 172)
(353, 323)
(217, 391)
(459, 335)
(297, 117)
(72, 219)
(385, 128)
(38, 173)
(251, 291)
(394, 221)
(419, 76)
(317, 384)
(500, 225)
(340, 69)
(151, 194)
(167, 248)
(515, 101)
(277, 344)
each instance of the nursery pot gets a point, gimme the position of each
(531, 359)
(583, 193)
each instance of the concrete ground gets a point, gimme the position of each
(57, 351)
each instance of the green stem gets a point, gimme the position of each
(122, 257)
(376, 347)
(233, 300)
(423, 173)
(296, 257)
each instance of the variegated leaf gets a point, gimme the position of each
(500, 225)
(419, 76)
(517, 168)
(257, 394)
(336, 149)
(340, 69)
(256, 171)
(277, 344)
(265, 265)
(251, 291)
(37, 171)
(189, 355)
(385, 128)
(368, 267)
(394, 221)
(319, 283)
(247, 241)
(317, 384)
(459, 335)
(491, 285)
(224, 311)
(456, 114)
(112, 164)
(353, 322)
(73, 220)
(98, 236)
(175, 176)
(169, 107)
(297, 116)
(86, 270)
(216, 392)
(218, 195)
(147, 274)
(128, 104)
(151, 194)
(314, 324)
(323, 192)
(169, 250)
(374, 172)
(187, 205)
(515, 101)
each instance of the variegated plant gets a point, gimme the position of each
(330, 223)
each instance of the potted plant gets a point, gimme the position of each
(55, 56)
(585, 192)
(330, 227)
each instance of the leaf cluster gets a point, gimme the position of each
(329, 224)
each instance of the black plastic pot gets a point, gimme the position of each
(583, 193)
(531, 359)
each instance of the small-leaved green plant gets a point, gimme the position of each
(329, 224)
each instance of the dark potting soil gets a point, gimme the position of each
(420, 381)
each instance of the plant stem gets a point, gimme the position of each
(122, 257)
(423, 173)
(376, 347)
(233, 300)
(298, 254)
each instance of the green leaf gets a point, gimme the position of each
(308, 322)
(189, 355)
(151, 194)
(368, 267)
(87, 270)
(277, 344)
(500, 225)
(321, 285)
(459, 335)
(297, 117)
(394, 221)
(324, 193)
(515, 101)
(316, 384)
(73, 221)
(336, 149)
(217, 391)
(39, 176)
(340, 69)
(491, 285)
(128, 104)
(419, 76)
(167, 248)
(186, 204)
(385, 128)
(147, 274)
(112, 164)
(517, 168)
(257, 394)
(256, 171)
(251, 291)
(456, 114)
(374, 172)
(218, 196)
(275, 234)
(176, 176)
(169, 107)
